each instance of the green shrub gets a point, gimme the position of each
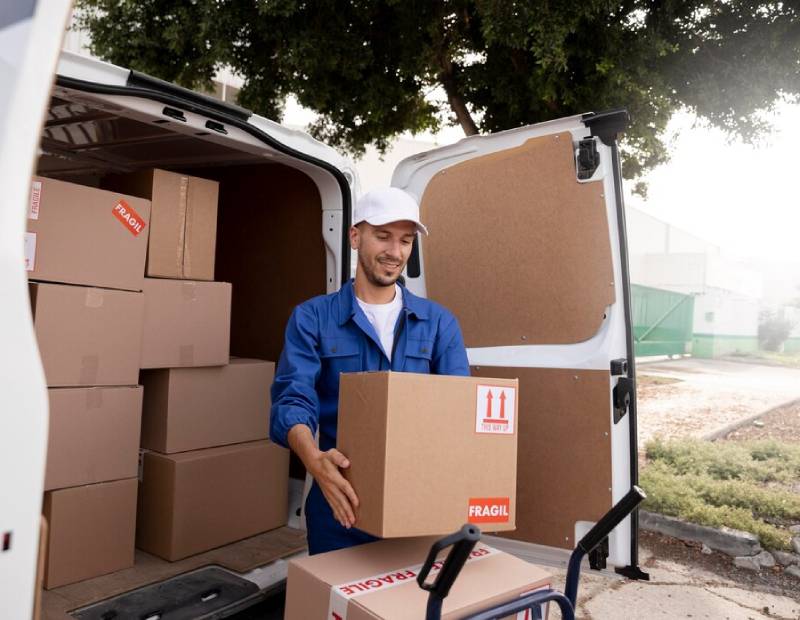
(756, 461)
(725, 484)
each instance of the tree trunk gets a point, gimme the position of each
(447, 77)
(454, 98)
(462, 113)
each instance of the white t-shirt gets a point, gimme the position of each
(383, 318)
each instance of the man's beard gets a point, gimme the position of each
(375, 278)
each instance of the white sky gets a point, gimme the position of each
(743, 198)
(740, 197)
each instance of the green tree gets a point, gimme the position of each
(368, 67)
(773, 330)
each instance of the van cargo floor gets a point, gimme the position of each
(239, 557)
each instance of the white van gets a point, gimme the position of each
(527, 248)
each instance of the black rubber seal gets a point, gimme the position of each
(199, 102)
(632, 571)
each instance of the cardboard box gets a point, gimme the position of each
(429, 453)
(87, 336)
(378, 580)
(186, 323)
(183, 221)
(194, 408)
(83, 235)
(195, 501)
(92, 530)
(93, 435)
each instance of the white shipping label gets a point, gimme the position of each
(30, 251)
(342, 593)
(494, 410)
(36, 199)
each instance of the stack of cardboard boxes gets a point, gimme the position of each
(428, 453)
(88, 247)
(206, 474)
(209, 477)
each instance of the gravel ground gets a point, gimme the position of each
(694, 397)
(781, 423)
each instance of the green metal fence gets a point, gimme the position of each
(662, 321)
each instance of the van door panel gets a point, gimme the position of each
(531, 260)
(564, 454)
(536, 271)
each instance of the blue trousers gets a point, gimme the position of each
(325, 533)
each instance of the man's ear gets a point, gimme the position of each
(355, 237)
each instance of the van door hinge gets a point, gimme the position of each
(587, 159)
(623, 393)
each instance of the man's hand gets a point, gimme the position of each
(325, 468)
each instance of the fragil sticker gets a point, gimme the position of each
(494, 409)
(488, 510)
(30, 251)
(36, 200)
(129, 218)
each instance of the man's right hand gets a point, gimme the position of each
(325, 468)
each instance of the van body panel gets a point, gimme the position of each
(30, 37)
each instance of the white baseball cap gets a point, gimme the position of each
(387, 204)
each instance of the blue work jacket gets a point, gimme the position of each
(330, 334)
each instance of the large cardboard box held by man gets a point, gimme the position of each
(429, 453)
(194, 408)
(82, 235)
(92, 531)
(195, 501)
(183, 221)
(87, 336)
(93, 435)
(186, 323)
(379, 580)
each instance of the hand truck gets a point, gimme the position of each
(463, 541)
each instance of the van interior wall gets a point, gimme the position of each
(270, 248)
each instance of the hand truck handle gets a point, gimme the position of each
(595, 536)
(611, 519)
(462, 542)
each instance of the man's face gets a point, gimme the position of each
(383, 250)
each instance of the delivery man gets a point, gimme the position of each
(371, 323)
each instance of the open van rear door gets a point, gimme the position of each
(527, 248)
(30, 38)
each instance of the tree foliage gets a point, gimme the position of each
(369, 68)
(773, 330)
